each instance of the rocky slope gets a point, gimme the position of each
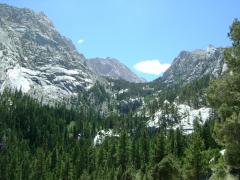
(186, 116)
(37, 59)
(188, 66)
(112, 68)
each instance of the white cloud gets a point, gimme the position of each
(151, 67)
(80, 41)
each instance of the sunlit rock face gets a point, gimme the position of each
(188, 66)
(37, 59)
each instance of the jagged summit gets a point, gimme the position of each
(211, 48)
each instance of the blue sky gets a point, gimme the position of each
(138, 30)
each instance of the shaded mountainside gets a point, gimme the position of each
(37, 59)
(112, 68)
(188, 66)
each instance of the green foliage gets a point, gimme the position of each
(231, 137)
(193, 94)
(39, 141)
(42, 142)
(159, 148)
(167, 169)
(194, 165)
(234, 33)
(224, 95)
(219, 170)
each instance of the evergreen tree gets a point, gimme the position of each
(167, 169)
(159, 148)
(144, 150)
(224, 95)
(194, 160)
(178, 143)
(122, 152)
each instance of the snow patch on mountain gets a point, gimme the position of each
(187, 117)
(61, 70)
(102, 134)
(122, 91)
(15, 79)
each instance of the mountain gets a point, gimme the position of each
(171, 128)
(37, 59)
(182, 89)
(188, 66)
(112, 68)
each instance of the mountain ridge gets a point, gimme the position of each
(37, 59)
(113, 68)
(190, 65)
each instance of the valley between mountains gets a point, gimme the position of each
(63, 116)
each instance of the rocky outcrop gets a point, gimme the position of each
(188, 66)
(37, 59)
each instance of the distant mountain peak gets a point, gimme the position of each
(113, 68)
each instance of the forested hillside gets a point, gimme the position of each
(59, 142)
(106, 129)
(42, 142)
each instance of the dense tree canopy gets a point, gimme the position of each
(224, 95)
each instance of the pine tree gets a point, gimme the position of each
(224, 95)
(178, 143)
(194, 164)
(40, 165)
(135, 155)
(111, 156)
(122, 152)
(144, 150)
(159, 148)
(168, 168)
